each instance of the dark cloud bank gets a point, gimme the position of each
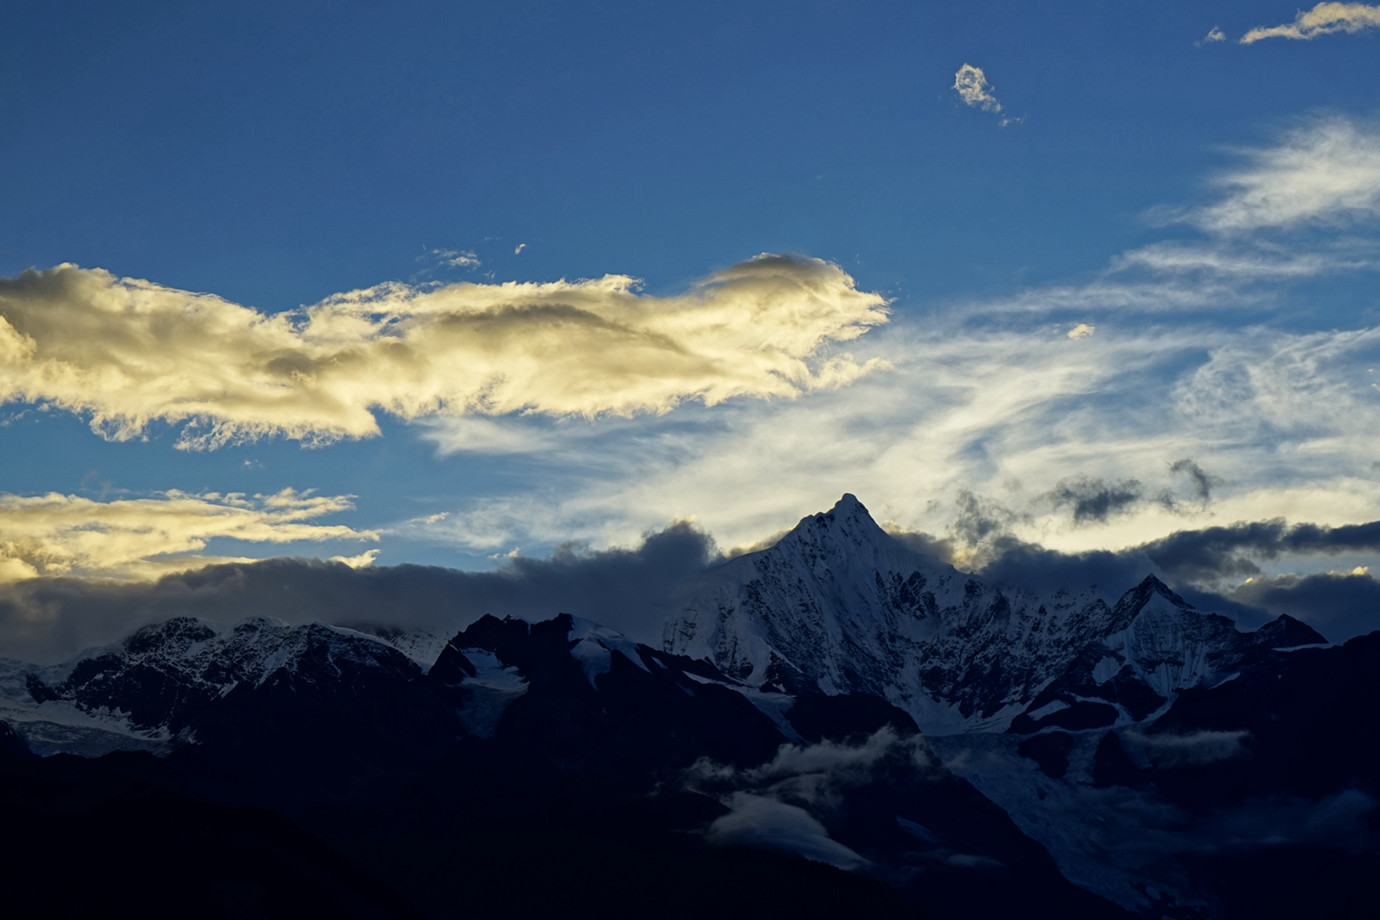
(627, 589)
(1092, 500)
(1201, 564)
(48, 619)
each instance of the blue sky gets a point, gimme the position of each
(441, 283)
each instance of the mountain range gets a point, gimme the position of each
(836, 722)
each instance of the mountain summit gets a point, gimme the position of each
(838, 606)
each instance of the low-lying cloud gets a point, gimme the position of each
(127, 352)
(1189, 749)
(1339, 606)
(784, 804)
(1215, 553)
(49, 619)
(1217, 569)
(764, 822)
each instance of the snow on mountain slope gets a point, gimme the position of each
(1159, 647)
(58, 726)
(838, 606)
(156, 683)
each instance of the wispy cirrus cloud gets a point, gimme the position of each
(1325, 171)
(1277, 423)
(1322, 19)
(128, 352)
(1274, 221)
(1252, 262)
(55, 534)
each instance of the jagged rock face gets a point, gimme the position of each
(578, 694)
(1163, 647)
(838, 606)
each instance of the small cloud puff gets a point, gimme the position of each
(457, 258)
(363, 560)
(1323, 19)
(972, 87)
(128, 352)
(1082, 331)
(1096, 500)
(1214, 35)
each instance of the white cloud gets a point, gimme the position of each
(457, 258)
(1214, 35)
(1081, 331)
(129, 352)
(360, 561)
(1257, 262)
(767, 804)
(839, 762)
(1287, 421)
(1323, 19)
(936, 422)
(1326, 171)
(54, 534)
(763, 822)
(972, 87)
(1189, 749)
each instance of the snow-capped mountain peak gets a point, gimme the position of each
(839, 606)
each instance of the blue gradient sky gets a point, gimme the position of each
(1133, 293)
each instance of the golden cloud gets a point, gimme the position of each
(128, 352)
(57, 534)
(972, 87)
(1323, 19)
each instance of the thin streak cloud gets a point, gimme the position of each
(1276, 423)
(126, 352)
(1323, 19)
